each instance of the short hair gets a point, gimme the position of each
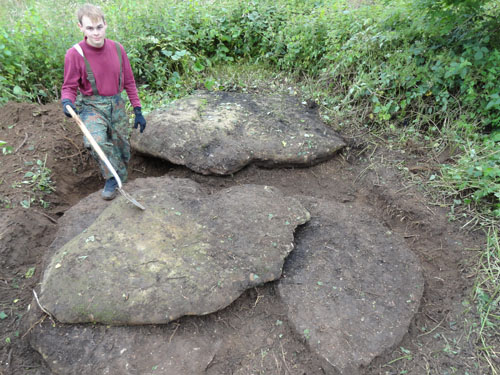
(93, 12)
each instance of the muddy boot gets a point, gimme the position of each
(109, 191)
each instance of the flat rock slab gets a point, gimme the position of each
(90, 350)
(351, 286)
(189, 253)
(220, 133)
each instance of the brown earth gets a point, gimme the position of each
(438, 341)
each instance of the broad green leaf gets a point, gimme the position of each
(17, 90)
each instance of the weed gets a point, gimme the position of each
(307, 333)
(26, 203)
(475, 178)
(39, 178)
(404, 354)
(6, 149)
(5, 202)
(44, 203)
(29, 273)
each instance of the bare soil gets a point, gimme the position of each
(438, 341)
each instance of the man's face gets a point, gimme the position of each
(94, 31)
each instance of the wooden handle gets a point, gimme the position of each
(94, 144)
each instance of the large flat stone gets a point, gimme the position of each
(90, 350)
(351, 286)
(189, 253)
(251, 336)
(220, 133)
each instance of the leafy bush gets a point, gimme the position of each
(183, 41)
(31, 56)
(414, 64)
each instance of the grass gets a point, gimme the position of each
(487, 296)
(354, 76)
(447, 187)
(486, 291)
(243, 76)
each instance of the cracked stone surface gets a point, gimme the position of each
(189, 253)
(220, 133)
(351, 286)
(76, 349)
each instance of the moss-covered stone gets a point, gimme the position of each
(188, 253)
(351, 287)
(220, 133)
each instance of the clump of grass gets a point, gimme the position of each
(487, 299)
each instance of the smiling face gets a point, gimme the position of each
(94, 31)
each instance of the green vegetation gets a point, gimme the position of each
(39, 182)
(425, 72)
(433, 77)
(6, 149)
(39, 177)
(487, 296)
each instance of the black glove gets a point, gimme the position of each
(66, 102)
(139, 119)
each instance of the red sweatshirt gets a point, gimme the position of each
(106, 67)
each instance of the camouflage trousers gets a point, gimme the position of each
(106, 120)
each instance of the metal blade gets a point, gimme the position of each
(130, 199)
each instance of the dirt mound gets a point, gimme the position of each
(32, 229)
(40, 137)
(435, 342)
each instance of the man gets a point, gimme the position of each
(100, 69)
